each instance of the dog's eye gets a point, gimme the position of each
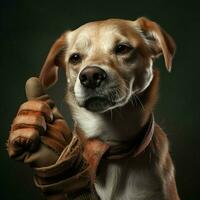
(122, 49)
(75, 58)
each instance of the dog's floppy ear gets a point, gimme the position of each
(159, 41)
(54, 60)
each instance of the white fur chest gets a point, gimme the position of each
(124, 180)
(93, 125)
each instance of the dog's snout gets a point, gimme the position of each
(92, 77)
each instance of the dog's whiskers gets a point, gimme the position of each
(137, 97)
(133, 103)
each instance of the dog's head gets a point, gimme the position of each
(106, 62)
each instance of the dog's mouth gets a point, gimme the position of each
(104, 100)
(97, 104)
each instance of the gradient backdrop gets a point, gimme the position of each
(27, 30)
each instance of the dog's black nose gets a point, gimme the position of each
(92, 77)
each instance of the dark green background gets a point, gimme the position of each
(27, 31)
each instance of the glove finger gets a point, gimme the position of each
(35, 106)
(59, 131)
(25, 121)
(34, 90)
(21, 140)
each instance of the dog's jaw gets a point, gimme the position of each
(91, 123)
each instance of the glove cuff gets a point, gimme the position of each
(69, 177)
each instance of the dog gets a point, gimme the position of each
(112, 90)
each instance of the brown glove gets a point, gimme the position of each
(38, 134)
(40, 137)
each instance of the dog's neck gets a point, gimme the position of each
(123, 123)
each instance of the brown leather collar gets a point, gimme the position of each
(134, 147)
(95, 149)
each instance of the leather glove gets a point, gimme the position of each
(40, 137)
(38, 133)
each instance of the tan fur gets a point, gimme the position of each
(131, 75)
